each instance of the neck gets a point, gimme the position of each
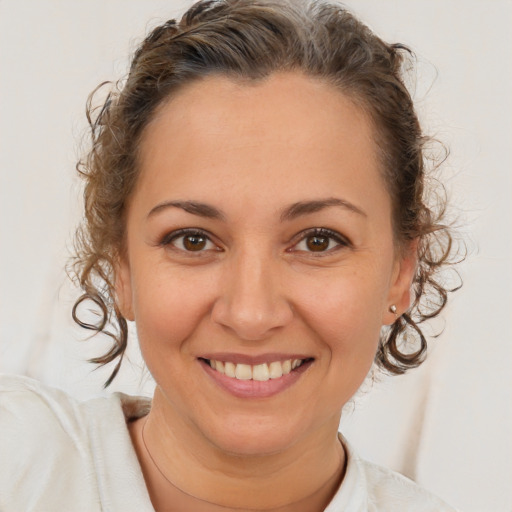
(182, 468)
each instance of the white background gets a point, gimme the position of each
(449, 424)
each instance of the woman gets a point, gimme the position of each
(255, 203)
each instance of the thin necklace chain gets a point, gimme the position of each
(181, 490)
(172, 483)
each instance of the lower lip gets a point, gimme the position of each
(255, 388)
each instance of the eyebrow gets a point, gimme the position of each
(194, 207)
(291, 212)
(307, 207)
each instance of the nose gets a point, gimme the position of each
(251, 302)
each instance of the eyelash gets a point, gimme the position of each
(304, 235)
(183, 233)
(340, 240)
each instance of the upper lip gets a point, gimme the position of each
(252, 359)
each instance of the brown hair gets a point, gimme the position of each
(249, 40)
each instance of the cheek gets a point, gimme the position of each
(168, 308)
(344, 312)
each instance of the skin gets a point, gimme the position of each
(250, 151)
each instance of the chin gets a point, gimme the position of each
(253, 444)
(254, 436)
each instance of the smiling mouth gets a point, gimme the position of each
(259, 372)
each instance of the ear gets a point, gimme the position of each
(399, 293)
(123, 288)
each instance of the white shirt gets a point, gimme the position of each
(59, 454)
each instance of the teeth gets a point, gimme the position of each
(259, 372)
(275, 370)
(243, 372)
(230, 369)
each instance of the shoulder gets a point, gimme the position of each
(58, 453)
(44, 418)
(22, 397)
(38, 415)
(42, 431)
(391, 491)
(369, 487)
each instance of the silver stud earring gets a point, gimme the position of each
(392, 309)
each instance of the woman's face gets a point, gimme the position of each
(259, 238)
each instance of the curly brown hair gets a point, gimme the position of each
(249, 40)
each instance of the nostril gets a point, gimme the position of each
(251, 320)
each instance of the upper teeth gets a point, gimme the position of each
(260, 372)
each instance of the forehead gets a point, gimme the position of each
(284, 131)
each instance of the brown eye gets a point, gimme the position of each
(320, 241)
(317, 243)
(189, 241)
(194, 242)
